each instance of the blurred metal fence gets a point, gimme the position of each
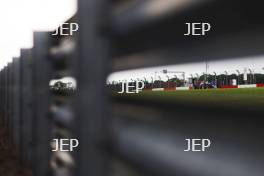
(150, 133)
(120, 135)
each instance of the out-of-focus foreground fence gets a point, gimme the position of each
(122, 136)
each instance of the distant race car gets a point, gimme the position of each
(204, 85)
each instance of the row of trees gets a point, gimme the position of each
(226, 79)
(60, 87)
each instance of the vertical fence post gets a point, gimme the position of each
(20, 114)
(1, 98)
(10, 100)
(16, 102)
(62, 114)
(41, 101)
(26, 111)
(7, 94)
(5, 97)
(92, 117)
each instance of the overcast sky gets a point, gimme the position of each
(19, 18)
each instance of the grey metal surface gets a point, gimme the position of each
(235, 33)
(132, 36)
(91, 102)
(159, 150)
(27, 102)
(16, 102)
(41, 101)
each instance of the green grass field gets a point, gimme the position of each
(251, 98)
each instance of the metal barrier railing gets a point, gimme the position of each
(150, 132)
(145, 136)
